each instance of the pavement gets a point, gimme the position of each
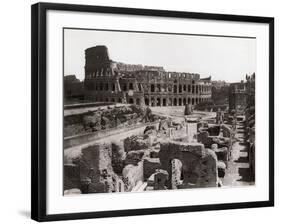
(238, 172)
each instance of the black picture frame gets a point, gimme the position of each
(39, 122)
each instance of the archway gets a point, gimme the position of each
(175, 102)
(180, 101)
(146, 100)
(164, 102)
(184, 101)
(152, 88)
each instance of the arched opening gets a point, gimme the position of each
(193, 89)
(175, 88)
(131, 87)
(119, 100)
(180, 88)
(170, 102)
(146, 101)
(192, 101)
(175, 102)
(164, 102)
(180, 102)
(184, 88)
(131, 101)
(152, 88)
(113, 87)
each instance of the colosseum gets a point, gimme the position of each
(110, 81)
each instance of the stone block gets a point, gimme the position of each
(132, 174)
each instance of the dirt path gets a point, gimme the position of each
(237, 173)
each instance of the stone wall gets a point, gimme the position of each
(106, 80)
(199, 163)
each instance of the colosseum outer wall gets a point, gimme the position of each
(109, 81)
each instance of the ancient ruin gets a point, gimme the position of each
(109, 81)
(141, 128)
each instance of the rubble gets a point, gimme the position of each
(134, 143)
(191, 151)
(118, 156)
(103, 118)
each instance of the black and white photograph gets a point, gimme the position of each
(148, 111)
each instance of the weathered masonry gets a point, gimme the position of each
(237, 97)
(109, 81)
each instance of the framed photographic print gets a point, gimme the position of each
(139, 111)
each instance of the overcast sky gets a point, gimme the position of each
(224, 58)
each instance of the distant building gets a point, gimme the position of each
(109, 81)
(237, 97)
(73, 87)
(220, 92)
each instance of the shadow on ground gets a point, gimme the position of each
(242, 160)
(245, 174)
(243, 143)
